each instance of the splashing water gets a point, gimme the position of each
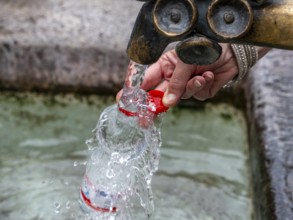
(124, 156)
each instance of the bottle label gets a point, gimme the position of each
(98, 200)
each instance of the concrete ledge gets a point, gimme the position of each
(65, 45)
(60, 69)
(270, 101)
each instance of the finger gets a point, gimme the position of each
(118, 96)
(162, 86)
(221, 81)
(193, 86)
(209, 77)
(177, 83)
(152, 76)
(206, 91)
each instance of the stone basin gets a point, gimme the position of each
(203, 172)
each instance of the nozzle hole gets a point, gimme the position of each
(175, 16)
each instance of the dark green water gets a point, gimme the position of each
(202, 175)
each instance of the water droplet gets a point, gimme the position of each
(57, 207)
(122, 160)
(90, 148)
(89, 144)
(110, 173)
(75, 163)
(115, 155)
(68, 205)
(51, 181)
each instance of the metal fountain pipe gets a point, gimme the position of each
(200, 25)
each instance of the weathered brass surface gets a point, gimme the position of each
(230, 20)
(174, 20)
(146, 43)
(272, 25)
(259, 22)
(199, 50)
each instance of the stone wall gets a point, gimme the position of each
(270, 101)
(65, 45)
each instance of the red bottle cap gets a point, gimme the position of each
(156, 97)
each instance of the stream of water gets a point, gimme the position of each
(124, 155)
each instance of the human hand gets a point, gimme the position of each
(180, 80)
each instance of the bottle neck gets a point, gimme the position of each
(147, 107)
(131, 101)
(127, 112)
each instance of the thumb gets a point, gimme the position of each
(177, 83)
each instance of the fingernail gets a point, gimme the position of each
(197, 84)
(209, 76)
(169, 99)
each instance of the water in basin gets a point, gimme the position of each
(203, 173)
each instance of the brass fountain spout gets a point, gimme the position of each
(199, 25)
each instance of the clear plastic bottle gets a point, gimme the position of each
(125, 154)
